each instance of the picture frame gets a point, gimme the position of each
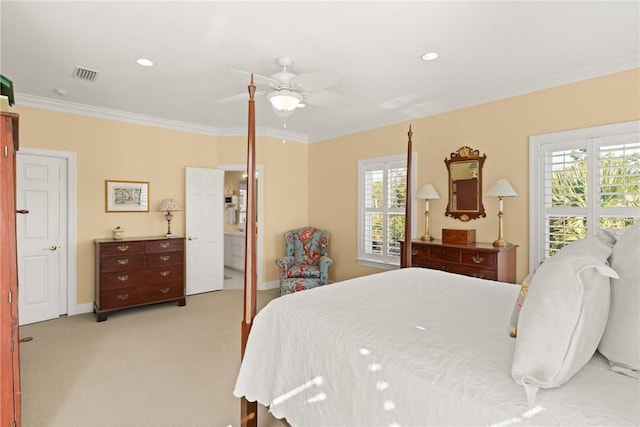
(126, 196)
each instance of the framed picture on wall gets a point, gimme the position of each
(127, 196)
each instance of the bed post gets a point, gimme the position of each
(249, 410)
(406, 249)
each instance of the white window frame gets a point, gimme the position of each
(388, 262)
(592, 139)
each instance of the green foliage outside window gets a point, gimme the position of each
(619, 185)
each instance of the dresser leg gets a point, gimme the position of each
(101, 317)
(182, 302)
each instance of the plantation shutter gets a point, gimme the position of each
(619, 180)
(565, 194)
(583, 184)
(383, 195)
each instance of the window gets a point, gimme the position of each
(581, 181)
(382, 184)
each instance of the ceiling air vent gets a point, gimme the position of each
(84, 74)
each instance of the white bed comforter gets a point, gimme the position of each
(411, 347)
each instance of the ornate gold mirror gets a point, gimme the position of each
(465, 184)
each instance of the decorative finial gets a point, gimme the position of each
(252, 89)
(410, 133)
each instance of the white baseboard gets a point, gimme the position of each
(269, 285)
(80, 309)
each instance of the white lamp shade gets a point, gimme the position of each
(428, 192)
(284, 99)
(501, 188)
(169, 205)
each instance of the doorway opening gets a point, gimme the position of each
(234, 220)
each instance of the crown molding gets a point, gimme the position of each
(105, 113)
(266, 132)
(141, 119)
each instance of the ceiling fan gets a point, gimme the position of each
(287, 91)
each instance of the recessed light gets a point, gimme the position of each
(430, 56)
(144, 62)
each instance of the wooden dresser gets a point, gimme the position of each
(481, 260)
(138, 271)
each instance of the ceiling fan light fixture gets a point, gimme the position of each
(283, 114)
(284, 99)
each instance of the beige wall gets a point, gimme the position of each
(114, 150)
(317, 184)
(499, 129)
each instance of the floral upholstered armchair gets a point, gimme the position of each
(307, 262)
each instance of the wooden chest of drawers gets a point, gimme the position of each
(138, 271)
(481, 260)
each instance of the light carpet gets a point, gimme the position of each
(159, 365)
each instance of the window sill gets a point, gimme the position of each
(378, 264)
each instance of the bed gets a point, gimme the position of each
(423, 347)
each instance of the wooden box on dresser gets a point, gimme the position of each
(138, 271)
(481, 260)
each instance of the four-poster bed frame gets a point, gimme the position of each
(420, 347)
(249, 410)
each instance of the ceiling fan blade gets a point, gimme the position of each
(324, 98)
(257, 78)
(312, 82)
(239, 97)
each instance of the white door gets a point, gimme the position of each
(204, 229)
(41, 189)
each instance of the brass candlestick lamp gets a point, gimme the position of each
(427, 192)
(501, 188)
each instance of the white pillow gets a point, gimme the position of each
(621, 340)
(564, 315)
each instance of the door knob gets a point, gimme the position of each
(52, 248)
(192, 238)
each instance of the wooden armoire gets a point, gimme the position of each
(9, 341)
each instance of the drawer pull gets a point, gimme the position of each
(477, 258)
(164, 290)
(478, 276)
(123, 278)
(414, 252)
(123, 297)
(164, 273)
(165, 245)
(123, 261)
(165, 258)
(123, 248)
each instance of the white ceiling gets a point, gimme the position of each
(488, 51)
